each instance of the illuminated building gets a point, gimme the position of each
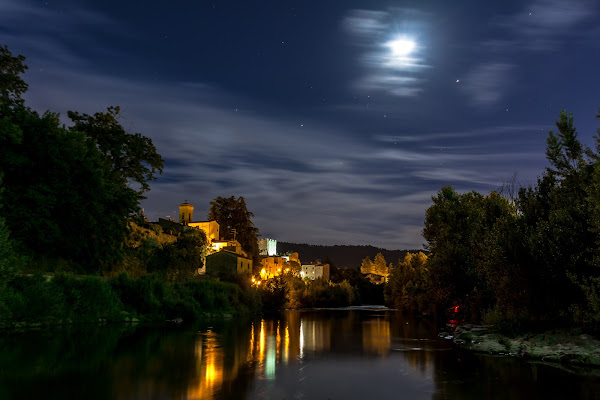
(225, 257)
(186, 217)
(291, 257)
(230, 245)
(225, 264)
(267, 247)
(315, 271)
(277, 265)
(272, 266)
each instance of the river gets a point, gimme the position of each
(366, 353)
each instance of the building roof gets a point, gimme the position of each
(227, 252)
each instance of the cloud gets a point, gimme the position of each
(384, 71)
(467, 133)
(487, 83)
(543, 24)
(540, 26)
(366, 23)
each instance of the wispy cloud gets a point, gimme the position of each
(486, 83)
(386, 71)
(539, 26)
(544, 24)
(467, 133)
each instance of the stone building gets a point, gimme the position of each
(315, 271)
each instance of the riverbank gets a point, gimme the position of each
(559, 346)
(36, 301)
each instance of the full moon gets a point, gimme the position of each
(401, 47)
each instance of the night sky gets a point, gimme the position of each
(336, 120)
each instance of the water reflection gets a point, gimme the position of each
(338, 354)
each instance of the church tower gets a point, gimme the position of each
(186, 212)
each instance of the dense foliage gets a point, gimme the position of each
(289, 291)
(37, 299)
(377, 267)
(408, 286)
(67, 193)
(515, 261)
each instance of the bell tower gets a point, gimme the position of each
(186, 213)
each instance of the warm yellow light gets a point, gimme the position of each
(211, 373)
(263, 271)
(253, 280)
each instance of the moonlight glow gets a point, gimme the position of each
(401, 47)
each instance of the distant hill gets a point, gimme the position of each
(342, 256)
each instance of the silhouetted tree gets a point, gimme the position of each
(232, 214)
(64, 196)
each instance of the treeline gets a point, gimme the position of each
(344, 255)
(529, 258)
(289, 291)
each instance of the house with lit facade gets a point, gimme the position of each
(315, 271)
(225, 264)
(273, 266)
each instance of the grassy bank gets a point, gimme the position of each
(40, 300)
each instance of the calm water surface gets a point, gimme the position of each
(326, 354)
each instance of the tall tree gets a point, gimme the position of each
(131, 156)
(65, 197)
(367, 266)
(236, 221)
(380, 266)
(455, 228)
(557, 218)
(12, 86)
(407, 288)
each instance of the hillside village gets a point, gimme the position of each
(226, 258)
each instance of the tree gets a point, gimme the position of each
(233, 215)
(380, 266)
(407, 288)
(558, 223)
(455, 227)
(10, 259)
(59, 199)
(180, 260)
(12, 86)
(66, 196)
(367, 266)
(131, 156)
